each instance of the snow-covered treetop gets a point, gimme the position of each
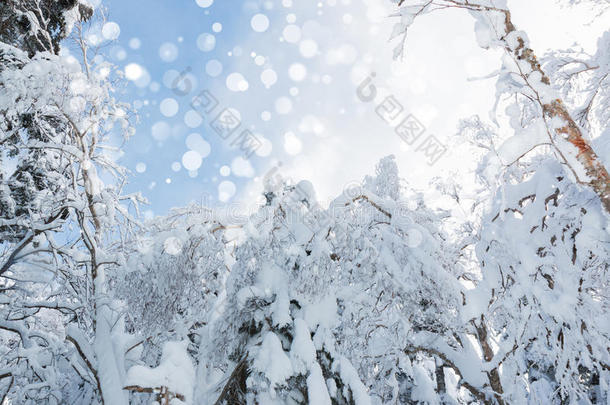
(40, 25)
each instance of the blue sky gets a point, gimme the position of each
(159, 23)
(302, 71)
(155, 23)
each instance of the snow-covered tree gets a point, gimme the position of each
(542, 244)
(171, 284)
(543, 253)
(521, 76)
(368, 301)
(62, 226)
(583, 80)
(500, 298)
(274, 339)
(40, 25)
(180, 263)
(356, 303)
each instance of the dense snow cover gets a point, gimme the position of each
(497, 293)
(175, 372)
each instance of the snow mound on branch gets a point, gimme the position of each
(302, 350)
(271, 360)
(322, 313)
(351, 379)
(175, 371)
(316, 387)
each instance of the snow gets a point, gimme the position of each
(527, 139)
(302, 350)
(332, 387)
(271, 281)
(322, 313)
(271, 360)
(483, 34)
(424, 389)
(393, 283)
(351, 379)
(175, 371)
(108, 357)
(81, 340)
(316, 388)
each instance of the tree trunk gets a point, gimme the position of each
(598, 178)
(488, 355)
(109, 362)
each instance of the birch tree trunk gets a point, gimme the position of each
(567, 138)
(597, 175)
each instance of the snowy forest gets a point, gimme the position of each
(490, 285)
